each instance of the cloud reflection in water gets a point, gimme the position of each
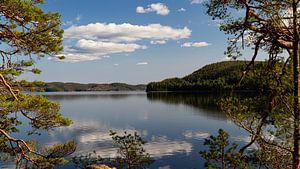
(198, 135)
(92, 136)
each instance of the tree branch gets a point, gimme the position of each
(7, 86)
(256, 49)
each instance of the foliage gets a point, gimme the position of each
(270, 26)
(132, 155)
(267, 117)
(51, 156)
(83, 161)
(26, 34)
(216, 77)
(220, 156)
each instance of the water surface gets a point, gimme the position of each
(174, 125)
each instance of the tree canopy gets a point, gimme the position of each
(271, 26)
(26, 34)
(217, 77)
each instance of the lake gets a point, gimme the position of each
(174, 125)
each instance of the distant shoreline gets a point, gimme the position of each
(78, 87)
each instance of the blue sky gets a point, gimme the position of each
(131, 41)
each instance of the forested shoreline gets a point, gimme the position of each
(216, 77)
(68, 87)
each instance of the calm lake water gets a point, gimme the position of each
(174, 125)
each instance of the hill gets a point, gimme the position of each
(210, 78)
(59, 86)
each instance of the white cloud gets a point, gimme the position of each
(195, 44)
(98, 40)
(88, 50)
(73, 57)
(158, 42)
(197, 1)
(103, 48)
(181, 10)
(140, 9)
(116, 64)
(142, 63)
(159, 8)
(125, 32)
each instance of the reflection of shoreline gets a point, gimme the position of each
(206, 104)
(59, 96)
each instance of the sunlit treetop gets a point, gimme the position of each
(25, 30)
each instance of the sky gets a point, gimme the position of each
(131, 41)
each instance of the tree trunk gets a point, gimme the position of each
(296, 154)
(296, 69)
